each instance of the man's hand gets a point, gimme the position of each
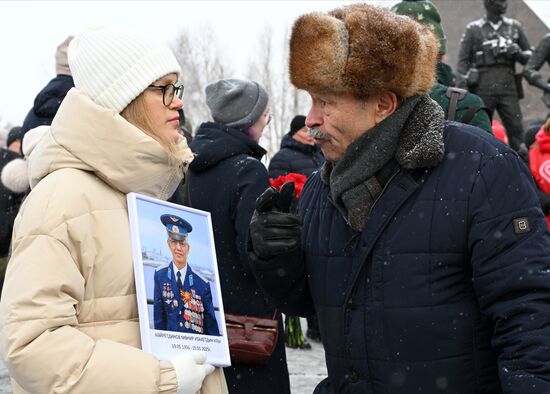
(512, 51)
(273, 229)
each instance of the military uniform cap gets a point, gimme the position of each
(176, 227)
(425, 12)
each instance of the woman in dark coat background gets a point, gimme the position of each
(225, 179)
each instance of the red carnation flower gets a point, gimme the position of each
(298, 179)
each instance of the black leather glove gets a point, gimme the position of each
(273, 229)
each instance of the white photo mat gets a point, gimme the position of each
(151, 253)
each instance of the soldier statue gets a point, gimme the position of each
(536, 61)
(489, 50)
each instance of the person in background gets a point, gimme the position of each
(10, 200)
(531, 72)
(49, 99)
(185, 130)
(458, 104)
(298, 152)
(225, 179)
(185, 127)
(489, 50)
(13, 142)
(68, 313)
(420, 243)
(499, 131)
(539, 163)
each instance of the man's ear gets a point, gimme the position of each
(387, 104)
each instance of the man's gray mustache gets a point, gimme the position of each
(318, 134)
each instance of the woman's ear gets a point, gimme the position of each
(387, 104)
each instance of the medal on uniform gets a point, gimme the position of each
(185, 296)
(167, 292)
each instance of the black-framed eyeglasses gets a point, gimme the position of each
(168, 92)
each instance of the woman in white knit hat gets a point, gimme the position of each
(68, 314)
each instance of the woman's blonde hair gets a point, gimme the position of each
(137, 114)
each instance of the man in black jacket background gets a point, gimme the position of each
(298, 152)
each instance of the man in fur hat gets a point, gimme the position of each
(420, 243)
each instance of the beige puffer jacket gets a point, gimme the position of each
(68, 312)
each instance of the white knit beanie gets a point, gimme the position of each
(113, 66)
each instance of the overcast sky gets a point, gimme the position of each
(31, 30)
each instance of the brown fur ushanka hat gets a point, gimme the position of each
(362, 49)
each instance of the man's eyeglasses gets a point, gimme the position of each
(176, 242)
(168, 92)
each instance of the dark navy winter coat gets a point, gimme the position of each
(225, 179)
(295, 157)
(47, 103)
(447, 288)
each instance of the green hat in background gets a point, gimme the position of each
(425, 12)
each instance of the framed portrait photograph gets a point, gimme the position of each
(177, 280)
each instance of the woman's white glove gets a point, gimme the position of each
(191, 371)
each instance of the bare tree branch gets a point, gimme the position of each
(270, 68)
(202, 62)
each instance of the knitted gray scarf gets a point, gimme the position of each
(413, 135)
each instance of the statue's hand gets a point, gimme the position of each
(513, 50)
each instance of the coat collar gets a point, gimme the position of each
(421, 139)
(89, 137)
(445, 74)
(170, 273)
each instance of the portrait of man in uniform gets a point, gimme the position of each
(182, 299)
